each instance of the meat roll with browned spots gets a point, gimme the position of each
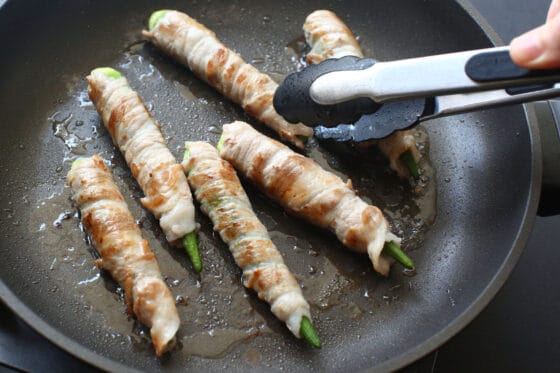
(304, 189)
(329, 37)
(197, 47)
(224, 200)
(124, 253)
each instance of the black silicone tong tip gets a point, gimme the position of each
(389, 118)
(292, 99)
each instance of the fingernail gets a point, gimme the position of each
(527, 46)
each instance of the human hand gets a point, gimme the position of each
(540, 47)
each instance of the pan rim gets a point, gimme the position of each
(520, 242)
(69, 345)
(84, 354)
(503, 273)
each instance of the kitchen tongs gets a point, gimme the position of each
(361, 99)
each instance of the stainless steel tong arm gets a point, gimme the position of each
(439, 75)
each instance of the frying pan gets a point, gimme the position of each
(488, 172)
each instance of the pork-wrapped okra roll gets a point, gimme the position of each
(304, 189)
(138, 136)
(197, 47)
(329, 37)
(124, 253)
(224, 200)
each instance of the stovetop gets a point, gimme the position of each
(519, 331)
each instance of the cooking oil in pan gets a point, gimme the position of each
(220, 319)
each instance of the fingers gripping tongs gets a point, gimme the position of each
(353, 99)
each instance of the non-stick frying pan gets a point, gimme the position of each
(487, 179)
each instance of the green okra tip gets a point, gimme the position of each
(187, 153)
(308, 333)
(77, 162)
(220, 143)
(303, 138)
(154, 18)
(394, 251)
(108, 72)
(191, 247)
(410, 163)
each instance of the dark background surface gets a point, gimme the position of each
(518, 331)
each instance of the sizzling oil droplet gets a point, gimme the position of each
(60, 127)
(257, 61)
(83, 100)
(181, 300)
(61, 217)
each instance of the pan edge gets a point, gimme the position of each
(521, 240)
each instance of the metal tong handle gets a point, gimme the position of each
(467, 102)
(446, 74)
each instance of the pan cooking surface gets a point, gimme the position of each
(363, 320)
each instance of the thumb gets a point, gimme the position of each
(538, 48)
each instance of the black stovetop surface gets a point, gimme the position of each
(519, 331)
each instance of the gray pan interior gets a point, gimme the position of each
(487, 172)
